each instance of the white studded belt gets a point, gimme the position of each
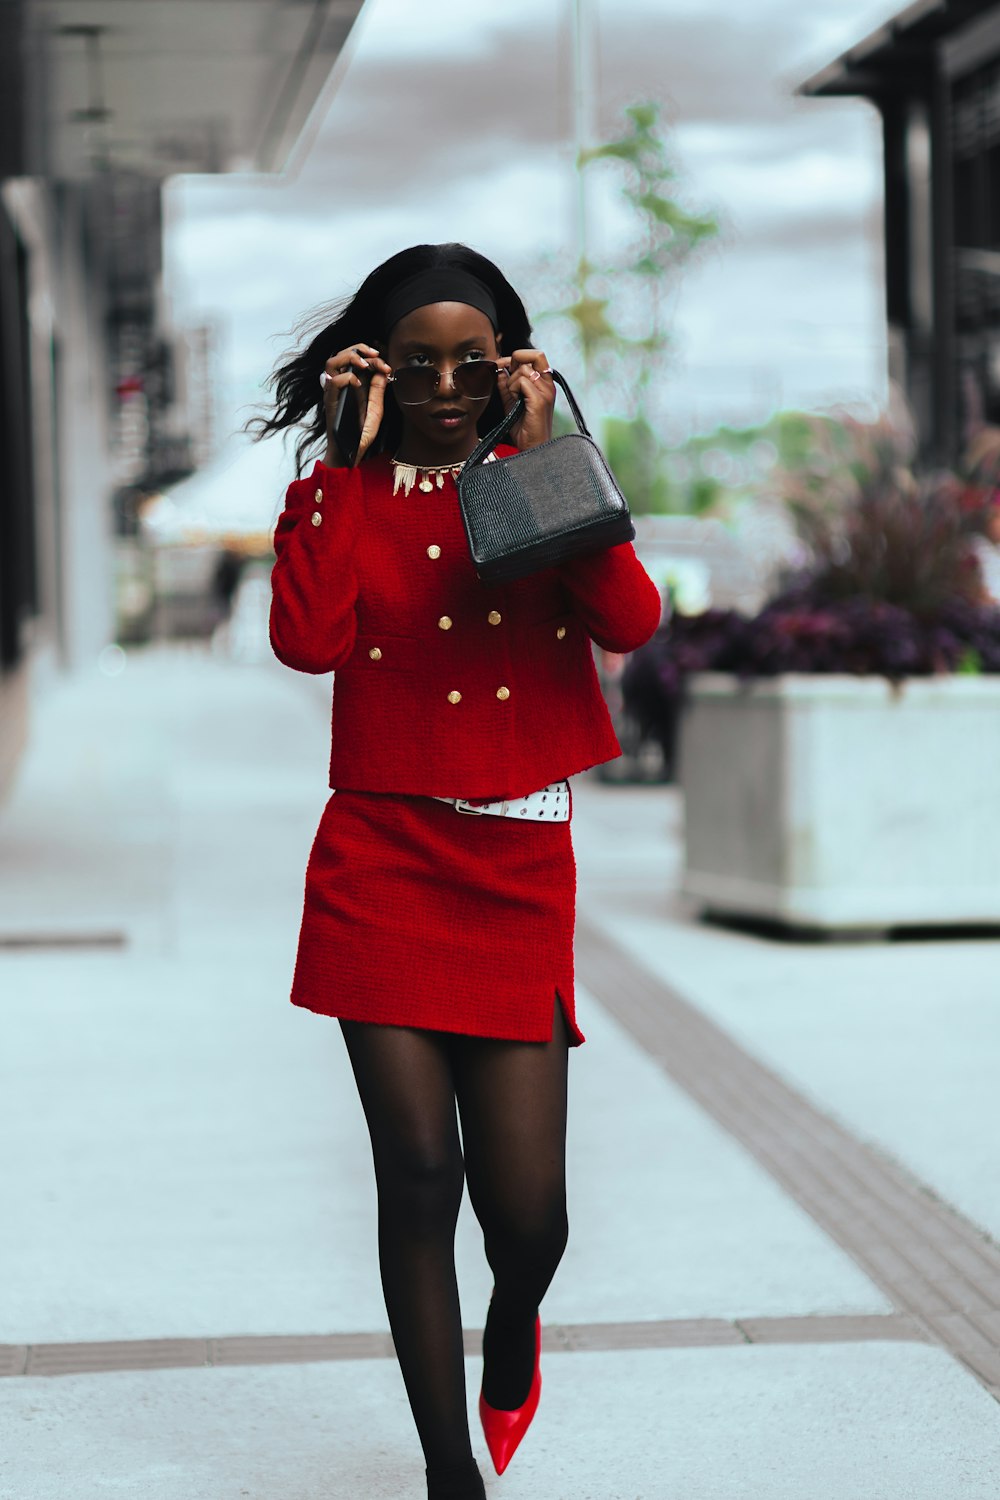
(550, 805)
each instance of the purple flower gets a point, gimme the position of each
(796, 633)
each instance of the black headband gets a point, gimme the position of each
(439, 285)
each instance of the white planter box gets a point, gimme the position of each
(842, 803)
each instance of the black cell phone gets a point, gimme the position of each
(347, 426)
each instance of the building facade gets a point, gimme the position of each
(100, 102)
(933, 72)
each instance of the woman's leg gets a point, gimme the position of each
(512, 1099)
(407, 1090)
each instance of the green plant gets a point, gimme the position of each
(635, 455)
(630, 292)
(618, 308)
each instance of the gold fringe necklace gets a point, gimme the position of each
(405, 476)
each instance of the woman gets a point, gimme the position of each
(443, 942)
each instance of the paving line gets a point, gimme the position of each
(104, 1356)
(936, 1266)
(33, 942)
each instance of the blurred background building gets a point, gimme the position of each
(933, 72)
(102, 398)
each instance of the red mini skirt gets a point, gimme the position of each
(418, 915)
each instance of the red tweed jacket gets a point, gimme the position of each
(445, 686)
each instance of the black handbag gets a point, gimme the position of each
(540, 507)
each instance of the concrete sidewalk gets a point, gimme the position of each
(189, 1210)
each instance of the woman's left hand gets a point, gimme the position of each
(526, 373)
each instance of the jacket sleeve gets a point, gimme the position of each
(614, 596)
(314, 584)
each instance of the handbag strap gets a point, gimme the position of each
(486, 445)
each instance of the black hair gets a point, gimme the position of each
(298, 397)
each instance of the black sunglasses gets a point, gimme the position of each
(416, 384)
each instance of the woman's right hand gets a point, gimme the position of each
(360, 366)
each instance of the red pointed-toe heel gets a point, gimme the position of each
(504, 1430)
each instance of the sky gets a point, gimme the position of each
(451, 120)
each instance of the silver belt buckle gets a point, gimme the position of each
(466, 807)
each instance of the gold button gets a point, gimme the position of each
(444, 623)
(317, 519)
(560, 633)
(434, 550)
(318, 497)
(503, 694)
(454, 697)
(494, 617)
(375, 654)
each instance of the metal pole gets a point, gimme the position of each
(581, 103)
(579, 17)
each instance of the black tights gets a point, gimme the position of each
(511, 1098)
